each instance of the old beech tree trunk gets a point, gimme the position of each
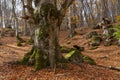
(46, 20)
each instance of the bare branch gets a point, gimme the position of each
(66, 4)
(63, 10)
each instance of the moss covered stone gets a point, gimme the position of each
(107, 43)
(96, 40)
(91, 34)
(74, 56)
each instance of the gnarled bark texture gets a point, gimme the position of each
(47, 20)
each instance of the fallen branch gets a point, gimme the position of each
(110, 67)
(106, 67)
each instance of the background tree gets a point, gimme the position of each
(24, 14)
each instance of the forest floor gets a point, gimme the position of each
(105, 56)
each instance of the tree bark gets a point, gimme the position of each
(25, 22)
(47, 20)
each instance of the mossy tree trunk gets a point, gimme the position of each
(47, 20)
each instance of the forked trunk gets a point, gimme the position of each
(47, 20)
(45, 40)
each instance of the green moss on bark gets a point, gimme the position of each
(89, 60)
(25, 59)
(35, 57)
(43, 20)
(49, 9)
(41, 60)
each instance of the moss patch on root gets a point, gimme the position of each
(41, 60)
(74, 56)
(89, 60)
(25, 59)
(35, 57)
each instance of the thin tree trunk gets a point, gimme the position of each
(2, 19)
(25, 22)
